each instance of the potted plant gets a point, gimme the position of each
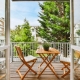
(46, 46)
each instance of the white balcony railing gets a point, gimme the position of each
(4, 69)
(29, 48)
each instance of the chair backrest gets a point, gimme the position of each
(77, 54)
(20, 54)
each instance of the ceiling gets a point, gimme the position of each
(40, 0)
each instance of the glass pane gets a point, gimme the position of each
(2, 40)
(77, 22)
(77, 38)
(2, 22)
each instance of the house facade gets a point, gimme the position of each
(2, 31)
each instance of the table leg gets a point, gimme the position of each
(45, 59)
(48, 65)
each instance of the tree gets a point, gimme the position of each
(78, 32)
(55, 21)
(22, 33)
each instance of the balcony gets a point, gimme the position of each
(30, 48)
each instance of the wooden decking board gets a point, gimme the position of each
(37, 79)
(44, 73)
(47, 74)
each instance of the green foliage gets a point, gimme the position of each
(22, 33)
(55, 21)
(28, 48)
(78, 32)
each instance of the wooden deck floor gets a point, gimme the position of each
(47, 74)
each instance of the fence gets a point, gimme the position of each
(29, 48)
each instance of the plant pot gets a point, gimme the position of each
(46, 48)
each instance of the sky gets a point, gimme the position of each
(30, 10)
(24, 9)
(76, 11)
(2, 8)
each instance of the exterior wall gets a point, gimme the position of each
(1, 26)
(2, 31)
(34, 34)
(33, 30)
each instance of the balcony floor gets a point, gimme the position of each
(47, 74)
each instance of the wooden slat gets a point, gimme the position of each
(47, 74)
(2, 76)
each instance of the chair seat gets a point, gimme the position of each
(2, 59)
(29, 58)
(65, 59)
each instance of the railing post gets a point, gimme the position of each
(11, 53)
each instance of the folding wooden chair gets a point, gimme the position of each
(26, 61)
(66, 62)
(77, 61)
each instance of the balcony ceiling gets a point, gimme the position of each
(40, 0)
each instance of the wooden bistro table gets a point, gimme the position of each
(44, 55)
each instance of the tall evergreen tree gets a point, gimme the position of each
(55, 21)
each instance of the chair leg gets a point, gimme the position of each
(19, 68)
(29, 68)
(76, 67)
(21, 76)
(65, 66)
(65, 74)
